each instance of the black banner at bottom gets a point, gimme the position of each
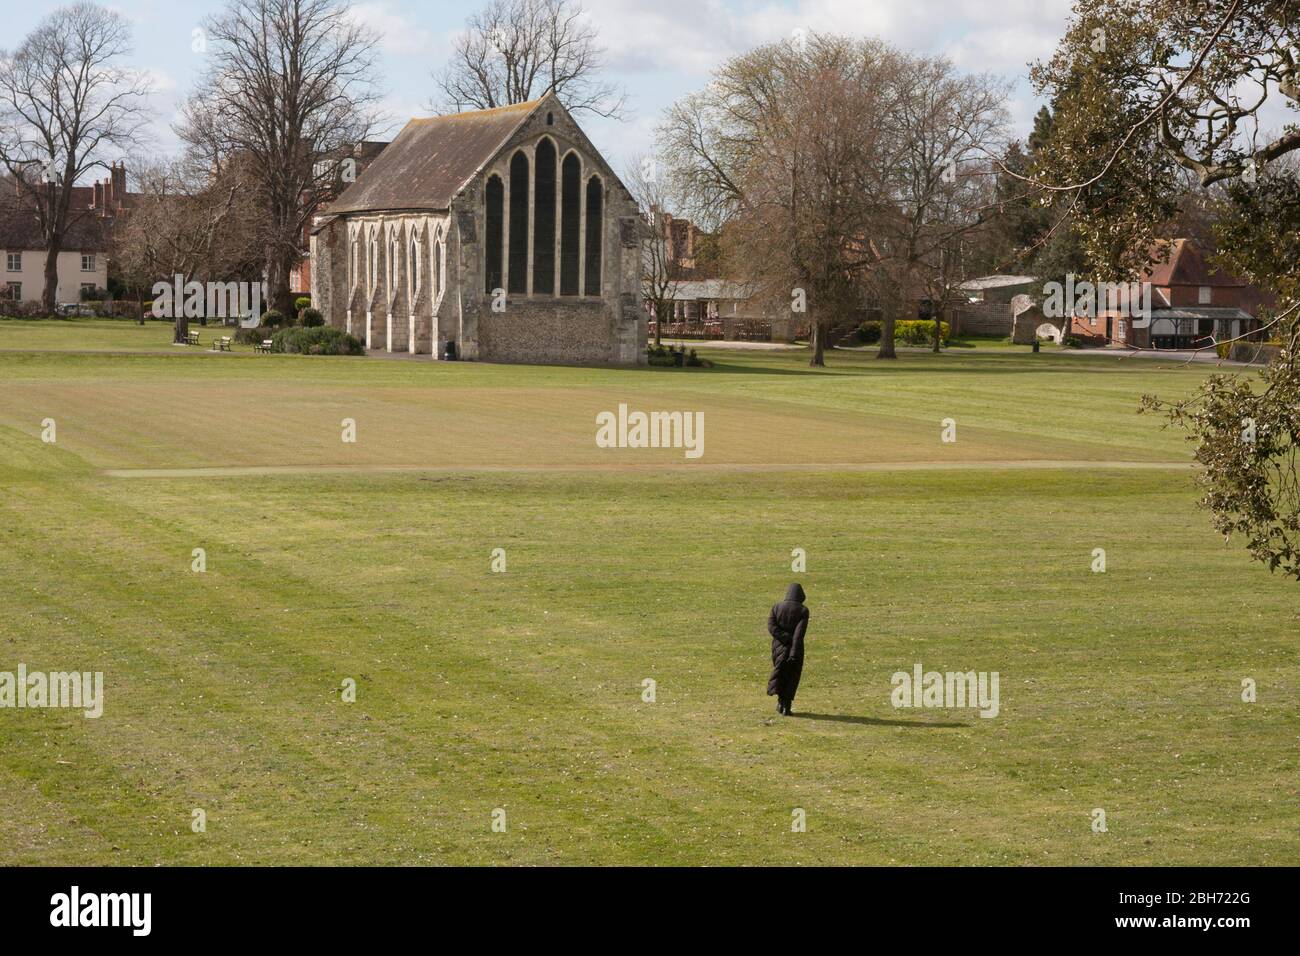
(171, 905)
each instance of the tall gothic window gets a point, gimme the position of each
(413, 278)
(544, 220)
(595, 234)
(570, 224)
(495, 233)
(394, 262)
(519, 224)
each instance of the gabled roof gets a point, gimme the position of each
(20, 229)
(1187, 266)
(432, 159)
(995, 282)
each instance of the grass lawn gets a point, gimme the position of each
(476, 690)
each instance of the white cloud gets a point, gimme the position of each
(397, 34)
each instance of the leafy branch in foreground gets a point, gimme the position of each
(1248, 439)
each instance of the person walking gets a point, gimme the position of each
(787, 623)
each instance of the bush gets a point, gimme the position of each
(27, 309)
(302, 302)
(254, 336)
(321, 340)
(919, 332)
(273, 318)
(674, 357)
(311, 318)
(907, 332)
(94, 295)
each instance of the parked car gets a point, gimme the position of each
(67, 309)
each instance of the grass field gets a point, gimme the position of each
(476, 690)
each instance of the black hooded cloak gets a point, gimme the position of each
(787, 624)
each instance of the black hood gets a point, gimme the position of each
(794, 593)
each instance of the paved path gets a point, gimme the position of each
(238, 471)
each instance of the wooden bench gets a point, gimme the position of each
(222, 344)
(264, 347)
(192, 338)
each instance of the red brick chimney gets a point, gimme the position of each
(118, 175)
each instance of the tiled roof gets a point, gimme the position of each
(432, 159)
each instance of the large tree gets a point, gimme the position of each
(660, 276)
(785, 149)
(288, 83)
(66, 105)
(189, 222)
(513, 51)
(939, 192)
(1145, 89)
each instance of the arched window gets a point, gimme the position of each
(394, 261)
(519, 223)
(413, 276)
(354, 249)
(544, 220)
(495, 232)
(372, 266)
(439, 268)
(570, 223)
(595, 234)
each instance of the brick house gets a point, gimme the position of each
(500, 235)
(1190, 303)
(83, 261)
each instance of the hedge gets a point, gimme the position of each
(321, 340)
(906, 332)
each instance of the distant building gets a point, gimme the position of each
(94, 212)
(342, 171)
(497, 234)
(998, 288)
(1192, 304)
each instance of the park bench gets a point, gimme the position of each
(222, 344)
(264, 347)
(192, 338)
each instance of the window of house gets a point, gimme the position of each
(544, 220)
(88, 263)
(14, 262)
(570, 223)
(595, 234)
(495, 198)
(519, 224)
(14, 291)
(1206, 295)
(87, 286)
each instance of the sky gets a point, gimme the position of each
(658, 50)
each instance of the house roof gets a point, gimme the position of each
(709, 289)
(995, 282)
(20, 230)
(432, 159)
(1199, 312)
(1187, 266)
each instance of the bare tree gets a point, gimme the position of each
(288, 84)
(513, 51)
(786, 148)
(65, 103)
(187, 223)
(660, 278)
(938, 122)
